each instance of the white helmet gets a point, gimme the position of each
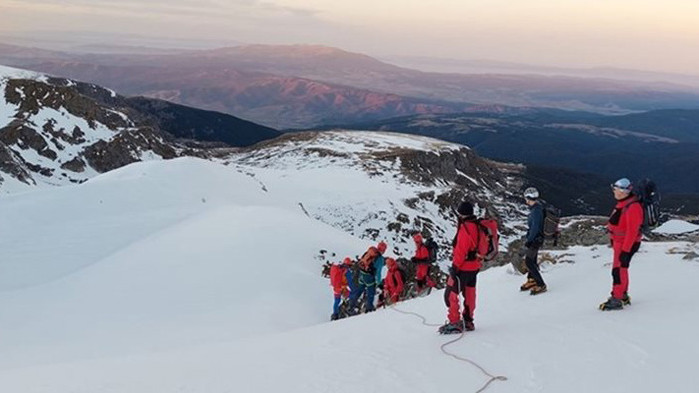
(531, 193)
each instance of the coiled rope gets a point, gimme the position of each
(453, 355)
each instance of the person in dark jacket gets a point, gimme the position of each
(370, 265)
(624, 228)
(533, 241)
(466, 263)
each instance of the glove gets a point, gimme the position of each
(625, 257)
(528, 244)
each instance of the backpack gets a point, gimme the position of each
(403, 274)
(488, 240)
(433, 248)
(552, 217)
(366, 262)
(406, 269)
(337, 276)
(647, 193)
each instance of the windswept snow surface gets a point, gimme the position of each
(154, 256)
(187, 276)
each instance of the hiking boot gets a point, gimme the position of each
(528, 285)
(537, 290)
(626, 299)
(611, 304)
(334, 317)
(469, 326)
(451, 328)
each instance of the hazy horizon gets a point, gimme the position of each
(640, 35)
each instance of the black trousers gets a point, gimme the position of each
(530, 259)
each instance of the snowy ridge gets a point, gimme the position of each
(187, 275)
(379, 185)
(16, 73)
(53, 134)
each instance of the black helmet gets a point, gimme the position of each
(465, 209)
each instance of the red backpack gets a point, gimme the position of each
(488, 239)
(337, 276)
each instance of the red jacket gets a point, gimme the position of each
(465, 246)
(625, 223)
(422, 254)
(393, 282)
(338, 278)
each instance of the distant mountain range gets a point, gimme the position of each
(301, 86)
(595, 149)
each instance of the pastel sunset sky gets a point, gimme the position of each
(658, 35)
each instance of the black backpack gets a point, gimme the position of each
(433, 248)
(648, 195)
(406, 269)
(552, 217)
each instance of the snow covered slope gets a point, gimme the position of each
(676, 227)
(190, 276)
(385, 186)
(52, 133)
(154, 256)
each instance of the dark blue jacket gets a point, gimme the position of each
(535, 234)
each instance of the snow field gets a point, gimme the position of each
(187, 276)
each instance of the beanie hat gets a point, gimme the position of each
(347, 261)
(382, 246)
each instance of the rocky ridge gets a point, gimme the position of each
(57, 131)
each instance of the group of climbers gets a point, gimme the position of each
(358, 282)
(350, 282)
(469, 251)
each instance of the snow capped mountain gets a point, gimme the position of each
(57, 131)
(385, 186)
(52, 134)
(203, 275)
(194, 276)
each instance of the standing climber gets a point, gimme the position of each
(342, 283)
(393, 284)
(466, 263)
(624, 228)
(422, 261)
(370, 265)
(532, 242)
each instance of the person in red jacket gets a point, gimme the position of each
(342, 283)
(624, 228)
(393, 283)
(422, 260)
(466, 263)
